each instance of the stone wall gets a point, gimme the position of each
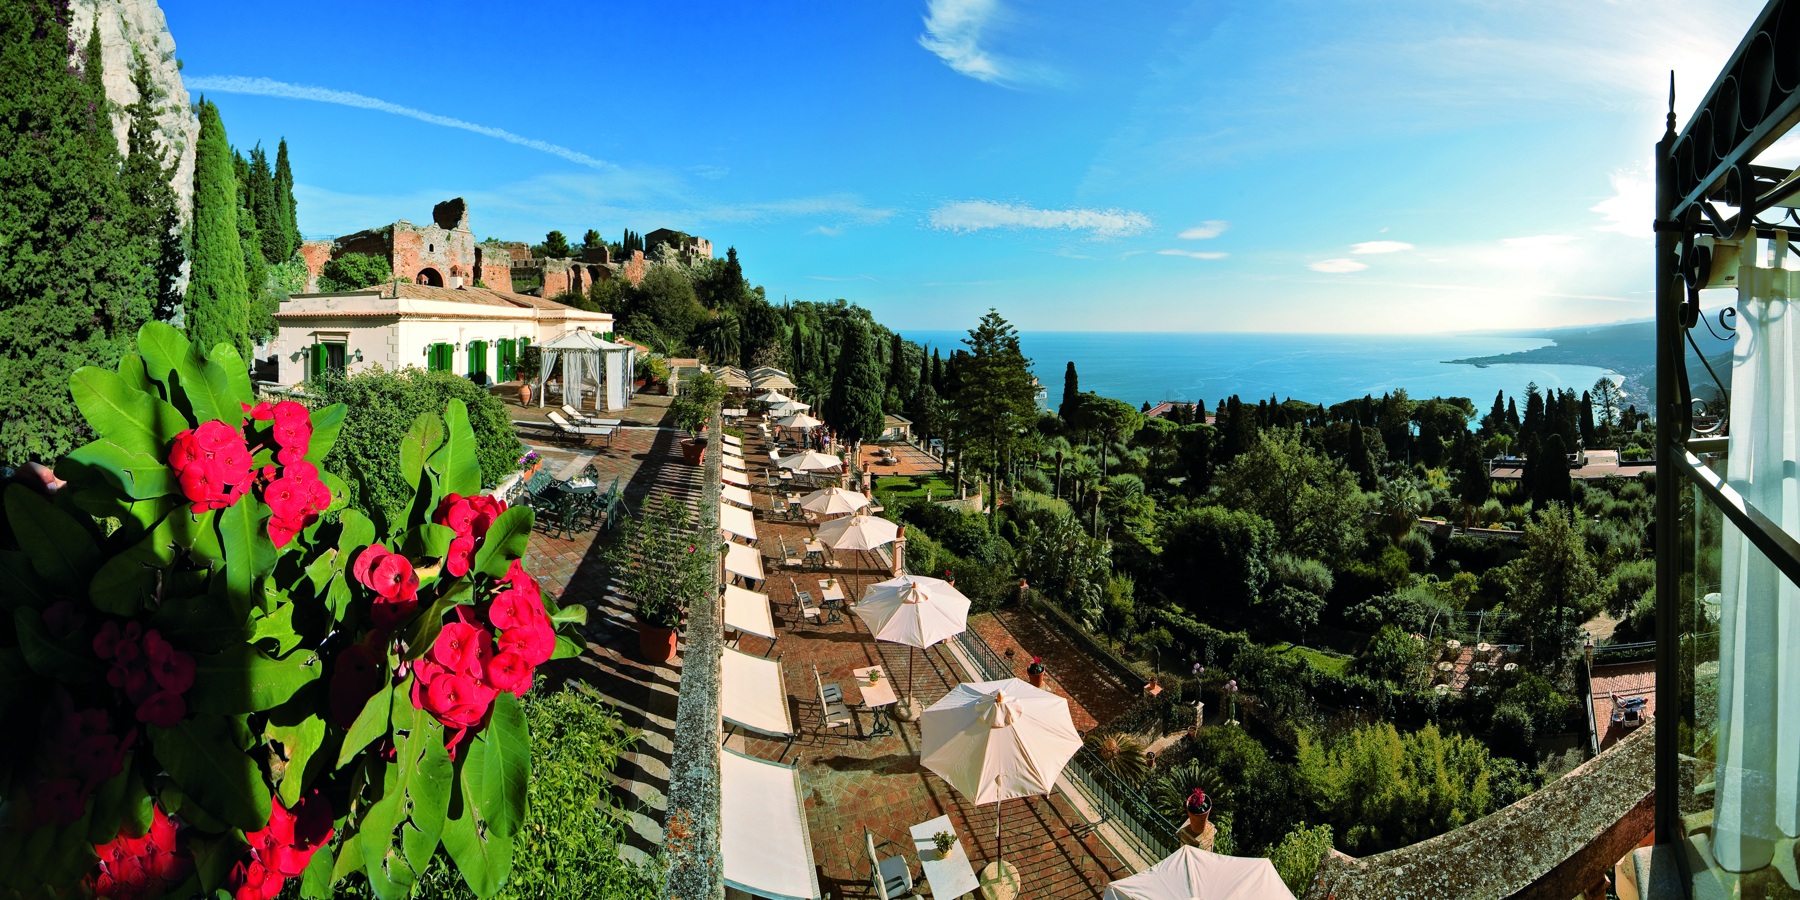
(631, 268)
(448, 252)
(316, 254)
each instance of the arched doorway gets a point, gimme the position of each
(429, 277)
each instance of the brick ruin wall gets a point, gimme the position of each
(316, 254)
(631, 268)
(451, 253)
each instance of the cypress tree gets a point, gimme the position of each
(256, 188)
(155, 218)
(937, 372)
(1551, 482)
(1071, 391)
(73, 289)
(218, 306)
(897, 368)
(250, 236)
(1588, 431)
(854, 406)
(287, 215)
(1512, 417)
(924, 373)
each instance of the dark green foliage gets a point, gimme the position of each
(218, 303)
(1554, 584)
(1216, 560)
(1392, 655)
(993, 401)
(151, 202)
(662, 307)
(255, 188)
(73, 287)
(1312, 500)
(287, 214)
(1298, 856)
(382, 405)
(591, 242)
(854, 407)
(1071, 391)
(353, 272)
(555, 246)
(1381, 789)
(1550, 474)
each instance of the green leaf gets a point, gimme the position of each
(316, 881)
(371, 723)
(194, 621)
(62, 552)
(300, 742)
(349, 857)
(498, 781)
(163, 347)
(279, 626)
(117, 805)
(420, 441)
(326, 423)
(19, 582)
(131, 369)
(203, 757)
(243, 680)
(358, 532)
(69, 659)
(573, 614)
(139, 476)
(209, 392)
(456, 460)
(227, 376)
(506, 541)
(566, 648)
(483, 857)
(340, 492)
(388, 874)
(138, 421)
(428, 541)
(425, 775)
(249, 554)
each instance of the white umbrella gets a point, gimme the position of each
(833, 501)
(1192, 872)
(789, 407)
(809, 461)
(997, 740)
(770, 397)
(916, 611)
(798, 420)
(775, 380)
(859, 532)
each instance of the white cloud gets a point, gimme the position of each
(1537, 241)
(963, 216)
(1632, 204)
(264, 87)
(953, 32)
(1211, 228)
(1380, 247)
(1194, 254)
(1338, 266)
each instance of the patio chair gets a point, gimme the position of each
(788, 558)
(774, 479)
(892, 877)
(778, 507)
(831, 699)
(803, 601)
(583, 432)
(577, 416)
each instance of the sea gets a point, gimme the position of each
(1140, 367)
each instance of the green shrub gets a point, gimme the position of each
(353, 272)
(382, 405)
(1298, 856)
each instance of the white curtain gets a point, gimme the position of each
(1757, 779)
(574, 373)
(546, 362)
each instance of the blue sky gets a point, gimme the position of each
(1205, 166)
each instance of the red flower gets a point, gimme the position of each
(456, 513)
(487, 509)
(283, 848)
(262, 412)
(460, 556)
(293, 426)
(58, 801)
(140, 867)
(462, 648)
(508, 671)
(163, 709)
(511, 609)
(172, 669)
(212, 463)
(536, 642)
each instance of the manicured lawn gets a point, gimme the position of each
(1332, 663)
(914, 486)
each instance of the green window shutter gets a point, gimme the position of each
(317, 360)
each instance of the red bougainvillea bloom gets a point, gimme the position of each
(293, 426)
(212, 463)
(355, 677)
(138, 868)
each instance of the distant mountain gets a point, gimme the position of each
(1628, 348)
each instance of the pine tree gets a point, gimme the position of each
(218, 305)
(854, 406)
(993, 400)
(155, 218)
(287, 215)
(73, 287)
(1071, 391)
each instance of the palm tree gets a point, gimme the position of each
(1401, 505)
(1121, 754)
(721, 338)
(1059, 447)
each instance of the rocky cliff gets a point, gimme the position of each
(129, 27)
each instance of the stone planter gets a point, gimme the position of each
(693, 451)
(656, 644)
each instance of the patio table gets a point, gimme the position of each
(815, 552)
(876, 696)
(831, 589)
(948, 874)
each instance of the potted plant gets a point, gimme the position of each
(665, 569)
(1199, 807)
(874, 676)
(700, 395)
(943, 841)
(1034, 673)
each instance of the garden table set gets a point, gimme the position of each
(572, 504)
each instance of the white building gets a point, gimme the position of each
(463, 330)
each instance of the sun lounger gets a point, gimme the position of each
(584, 432)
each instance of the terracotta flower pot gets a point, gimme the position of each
(1197, 821)
(656, 644)
(525, 394)
(1036, 678)
(693, 450)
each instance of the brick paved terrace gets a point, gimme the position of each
(851, 779)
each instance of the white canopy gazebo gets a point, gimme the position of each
(587, 361)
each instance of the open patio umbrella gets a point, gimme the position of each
(798, 420)
(789, 407)
(861, 532)
(1192, 872)
(916, 611)
(833, 501)
(770, 397)
(810, 461)
(997, 740)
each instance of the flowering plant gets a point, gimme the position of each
(1198, 803)
(1037, 666)
(229, 668)
(665, 564)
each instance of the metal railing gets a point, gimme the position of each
(1119, 803)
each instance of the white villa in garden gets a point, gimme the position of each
(470, 331)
